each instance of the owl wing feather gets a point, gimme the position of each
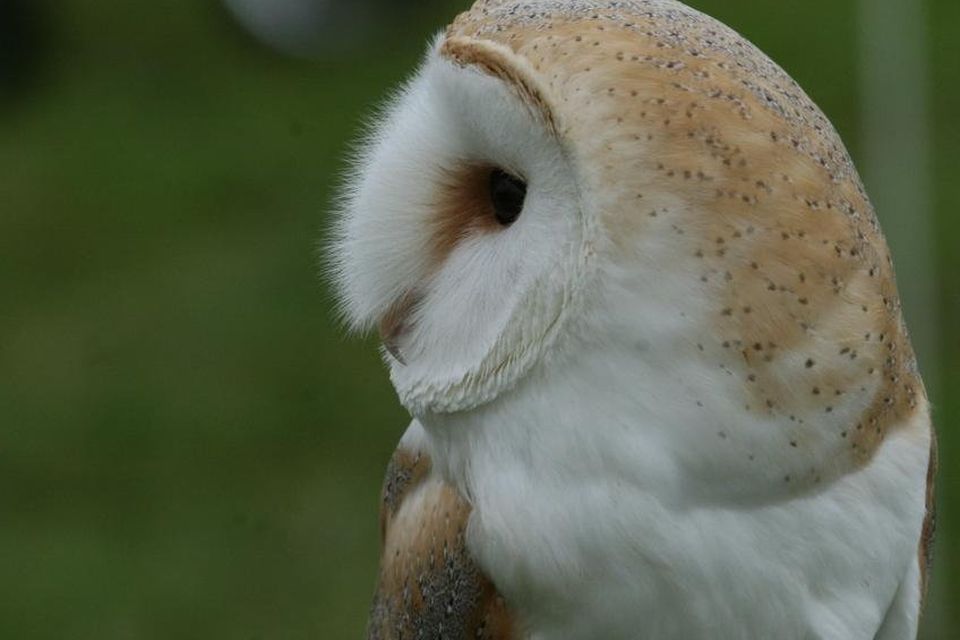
(429, 586)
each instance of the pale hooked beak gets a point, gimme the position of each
(395, 323)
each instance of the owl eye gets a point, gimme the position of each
(507, 194)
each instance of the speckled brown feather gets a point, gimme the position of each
(429, 586)
(765, 199)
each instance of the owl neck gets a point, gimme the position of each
(602, 414)
(641, 412)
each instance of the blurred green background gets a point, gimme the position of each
(190, 446)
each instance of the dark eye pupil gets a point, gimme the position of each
(507, 194)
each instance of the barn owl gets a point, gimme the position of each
(634, 296)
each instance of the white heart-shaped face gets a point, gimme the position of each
(466, 301)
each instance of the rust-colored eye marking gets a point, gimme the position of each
(473, 198)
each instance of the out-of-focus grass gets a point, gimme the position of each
(190, 446)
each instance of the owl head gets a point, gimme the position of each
(564, 177)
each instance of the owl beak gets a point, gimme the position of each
(395, 324)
